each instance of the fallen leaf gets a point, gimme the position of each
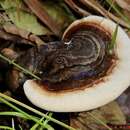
(59, 12)
(22, 19)
(110, 113)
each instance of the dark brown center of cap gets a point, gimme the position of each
(81, 60)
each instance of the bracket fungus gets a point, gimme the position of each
(81, 74)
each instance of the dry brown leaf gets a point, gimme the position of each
(10, 28)
(95, 5)
(73, 4)
(110, 113)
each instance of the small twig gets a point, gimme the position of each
(19, 67)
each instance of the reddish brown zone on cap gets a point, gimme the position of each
(89, 26)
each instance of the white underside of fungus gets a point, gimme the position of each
(99, 94)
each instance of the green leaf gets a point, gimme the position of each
(113, 40)
(6, 4)
(22, 19)
(27, 22)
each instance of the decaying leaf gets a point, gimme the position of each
(27, 22)
(55, 15)
(98, 7)
(58, 11)
(110, 113)
(23, 19)
(8, 27)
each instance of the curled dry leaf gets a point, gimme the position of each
(110, 113)
(10, 28)
(10, 37)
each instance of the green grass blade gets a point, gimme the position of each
(34, 127)
(17, 114)
(22, 112)
(36, 111)
(13, 124)
(6, 128)
(47, 120)
(20, 127)
(19, 67)
(47, 126)
(113, 40)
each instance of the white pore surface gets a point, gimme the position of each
(93, 97)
